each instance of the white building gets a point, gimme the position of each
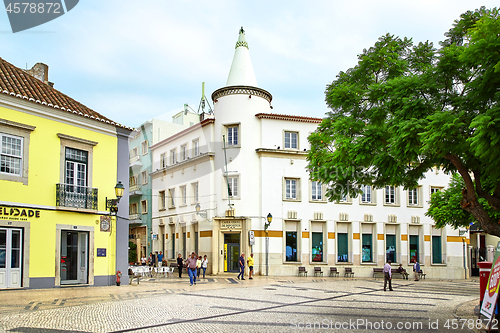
(266, 174)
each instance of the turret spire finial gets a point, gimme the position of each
(241, 30)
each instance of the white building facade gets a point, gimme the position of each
(244, 162)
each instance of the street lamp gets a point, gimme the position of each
(199, 212)
(112, 204)
(266, 225)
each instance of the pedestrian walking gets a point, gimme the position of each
(198, 267)
(191, 267)
(144, 261)
(241, 265)
(416, 269)
(387, 275)
(180, 264)
(151, 259)
(204, 265)
(160, 259)
(250, 266)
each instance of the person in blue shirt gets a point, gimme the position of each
(160, 259)
(241, 265)
(416, 269)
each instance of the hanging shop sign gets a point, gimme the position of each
(17, 214)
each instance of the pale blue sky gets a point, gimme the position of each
(134, 60)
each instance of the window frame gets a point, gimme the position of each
(67, 141)
(230, 185)
(238, 135)
(196, 194)
(396, 196)
(297, 189)
(23, 131)
(19, 157)
(183, 198)
(173, 156)
(144, 203)
(162, 200)
(196, 147)
(163, 160)
(144, 147)
(290, 133)
(144, 177)
(171, 198)
(312, 186)
(183, 152)
(292, 226)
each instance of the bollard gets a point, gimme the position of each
(118, 276)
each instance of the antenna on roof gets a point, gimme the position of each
(204, 102)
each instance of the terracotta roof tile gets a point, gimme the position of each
(288, 117)
(16, 82)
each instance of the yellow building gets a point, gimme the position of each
(60, 163)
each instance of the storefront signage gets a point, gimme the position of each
(491, 292)
(251, 237)
(101, 252)
(17, 214)
(230, 224)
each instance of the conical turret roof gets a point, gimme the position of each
(241, 73)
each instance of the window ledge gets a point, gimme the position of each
(368, 263)
(292, 262)
(318, 201)
(391, 205)
(228, 146)
(184, 205)
(318, 263)
(368, 203)
(344, 202)
(144, 213)
(74, 209)
(438, 264)
(292, 200)
(344, 263)
(162, 209)
(414, 206)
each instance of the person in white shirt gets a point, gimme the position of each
(387, 275)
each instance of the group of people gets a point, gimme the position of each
(153, 260)
(241, 265)
(194, 266)
(388, 273)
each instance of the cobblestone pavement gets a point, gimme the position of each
(224, 304)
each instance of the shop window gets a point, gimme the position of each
(161, 200)
(367, 248)
(291, 246)
(414, 241)
(317, 246)
(342, 247)
(390, 248)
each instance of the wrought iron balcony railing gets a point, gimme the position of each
(73, 196)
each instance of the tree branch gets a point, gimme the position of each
(494, 202)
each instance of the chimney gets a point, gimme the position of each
(41, 72)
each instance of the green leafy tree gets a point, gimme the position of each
(405, 108)
(132, 252)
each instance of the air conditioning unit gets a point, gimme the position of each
(415, 219)
(318, 215)
(161, 222)
(230, 213)
(170, 220)
(343, 217)
(392, 218)
(292, 214)
(368, 218)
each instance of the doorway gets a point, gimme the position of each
(231, 252)
(11, 254)
(74, 257)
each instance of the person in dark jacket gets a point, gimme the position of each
(241, 265)
(180, 264)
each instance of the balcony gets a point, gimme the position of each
(135, 190)
(73, 196)
(134, 218)
(135, 163)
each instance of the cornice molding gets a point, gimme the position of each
(241, 90)
(184, 164)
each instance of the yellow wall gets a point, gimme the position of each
(44, 173)
(44, 161)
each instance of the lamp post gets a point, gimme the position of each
(465, 266)
(199, 212)
(266, 225)
(112, 204)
